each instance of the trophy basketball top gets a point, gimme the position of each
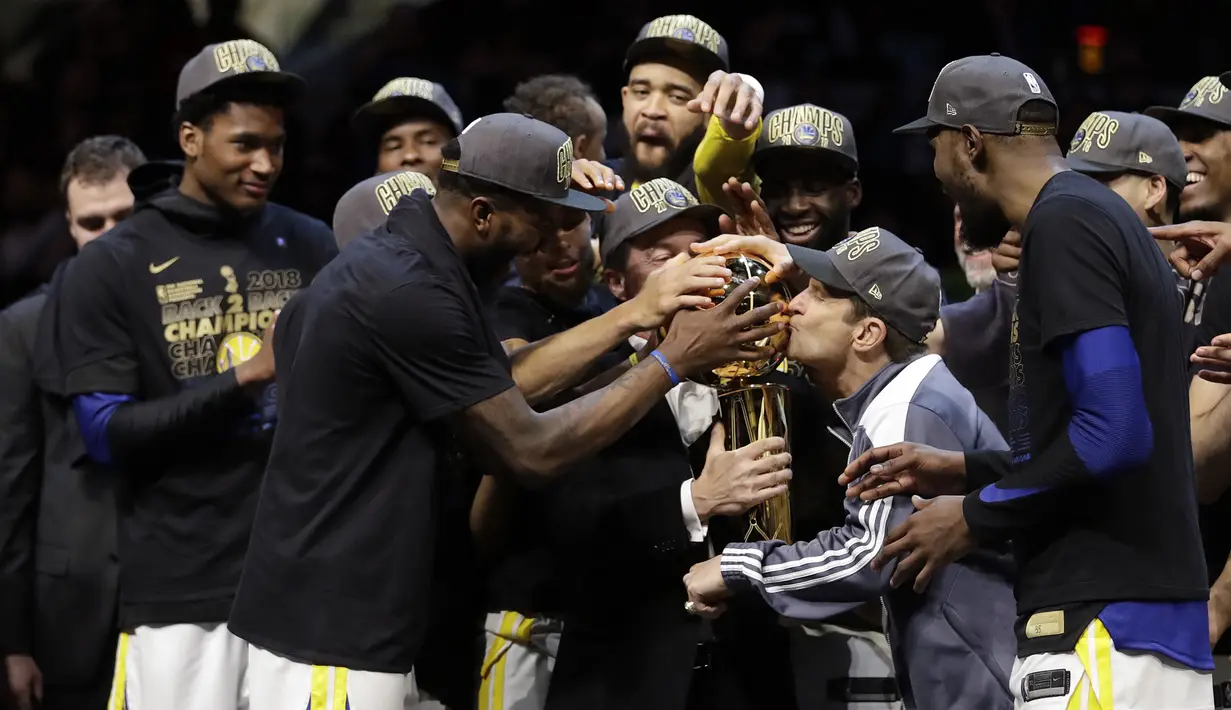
(744, 266)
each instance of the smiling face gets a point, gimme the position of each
(1207, 152)
(237, 156)
(809, 199)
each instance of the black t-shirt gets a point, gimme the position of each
(528, 576)
(391, 342)
(1088, 262)
(168, 301)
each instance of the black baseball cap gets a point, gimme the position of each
(1117, 142)
(987, 92)
(808, 128)
(407, 97)
(885, 272)
(365, 206)
(236, 63)
(680, 40)
(1206, 100)
(648, 205)
(522, 154)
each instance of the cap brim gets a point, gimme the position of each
(688, 56)
(287, 87)
(709, 214)
(1082, 165)
(1174, 116)
(375, 112)
(922, 125)
(579, 200)
(844, 161)
(819, 265)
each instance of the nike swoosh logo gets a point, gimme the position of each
(163, 266)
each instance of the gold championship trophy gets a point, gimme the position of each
(752, 411)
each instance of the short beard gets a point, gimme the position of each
(673, 167)
(983, 228)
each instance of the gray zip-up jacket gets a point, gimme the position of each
(953, 646)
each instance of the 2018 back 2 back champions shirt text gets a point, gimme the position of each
(158, 312)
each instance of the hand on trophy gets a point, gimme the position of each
(751, 218)
(774, 253)
(699, 340)
(680, 283)
(733, 482)
(706, 588)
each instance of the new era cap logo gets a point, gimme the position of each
(875, 291)
(1032, 83)
(860, 244)
(1143, 157)
(949, 110)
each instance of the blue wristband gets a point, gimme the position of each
(662, 360)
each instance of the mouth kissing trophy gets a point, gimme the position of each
(752, 411)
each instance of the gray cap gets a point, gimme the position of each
(885, 272)
(808, 128)
(407, 97)
(524, 155)
(986, 92)
(680, 40)
(365, 206)
(1207, 100)
(648, 205)
(1116, 142)
(235, 63)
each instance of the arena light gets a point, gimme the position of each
(1091, 45)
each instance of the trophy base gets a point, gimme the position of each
(752, 412)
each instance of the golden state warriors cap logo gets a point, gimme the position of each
(806, 134)
(406, 86)
(661, 194)
(395, 187)
(685, 28)
(241, 56)
(862, 243)
(237, 348)
(1208, 90)
(1096, 130)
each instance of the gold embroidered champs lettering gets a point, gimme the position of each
(805, 125)
(564, 163)
(1209, 89)
(243, 55)
(660, 194)
(860, 244)
(405, 86)
(1045, 623)
(1097, 129)
(393, 188)
(687, 28)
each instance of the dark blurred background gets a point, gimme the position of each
(75, 68)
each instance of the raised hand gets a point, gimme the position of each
(751, 218)
(733, 100)
(680, 283)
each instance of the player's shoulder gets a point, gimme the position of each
(28, 307)
(1072, 195)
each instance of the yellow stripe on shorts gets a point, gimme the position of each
(120, 677)
(491, 691)
(320, 688)
(1094, 651)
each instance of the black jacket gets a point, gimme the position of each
(628, 643)
(58, 565)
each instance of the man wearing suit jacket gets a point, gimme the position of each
(58, 573)
(636, 521)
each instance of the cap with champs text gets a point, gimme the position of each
(808, 128)
(365, 206)
(681, 40)
(236, 63)
(1117, 142)
(650, 204)
(1206, 100)
(524, 155)
(987, 92)
(408, 97)
(885, 272)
